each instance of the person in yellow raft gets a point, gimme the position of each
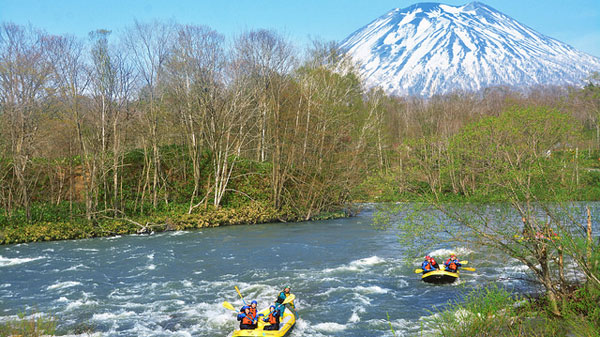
(429, 264)
(452, 264)
(273, 318)
(283, 295)
(247, 320)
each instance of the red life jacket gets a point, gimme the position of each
(252, 311)
(432, 262)
(247, 319)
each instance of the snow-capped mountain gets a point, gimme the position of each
(431, 48)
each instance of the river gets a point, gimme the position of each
(346, 276)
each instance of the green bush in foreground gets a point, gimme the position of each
(493, 311)
(31, 326)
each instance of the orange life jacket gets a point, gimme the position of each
(273, 319)
(252, 311)
(451, 265)
(247, 319)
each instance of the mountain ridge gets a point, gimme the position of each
(432, 48)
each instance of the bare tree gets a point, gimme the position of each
(267, 57)
(227, 125)
(71, 76)
(195, 78)
(24, 77)
(112, 80)
(150, 46)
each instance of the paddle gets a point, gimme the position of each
(418, 271)
(228, 305)
(239, 293)
(289, 299)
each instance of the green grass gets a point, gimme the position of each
(31, 326)
(493, 311)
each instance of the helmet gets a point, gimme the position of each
(272, 307)
(427, 257)
(254, 302)
(245, 307)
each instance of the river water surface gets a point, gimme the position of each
(346, 276)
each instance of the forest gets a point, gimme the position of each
(166, 126)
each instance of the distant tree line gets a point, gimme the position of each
(166, 113)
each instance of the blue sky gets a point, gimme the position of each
(576, 22)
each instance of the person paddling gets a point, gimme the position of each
(452, 264)
(283, 295)
(247, 320)
(272, 319)
(253, 306)
(429, 264)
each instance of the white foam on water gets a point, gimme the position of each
(402, 283)
(213, 314)
(72, 268)
(6, 261)
(50, 250)
(445, 253)
(354, 318)
(187, 283)
(369, 261)
(109, 316)
(357, 265)
(330, 327)
(5, 285)
(79, 303)
(362, 299)
(150, 256)
(151, 267)
(86, 250)
(301, 329)
(177, 233)
(62, 285)
(519, 268)
(372, 290)
(62, 299)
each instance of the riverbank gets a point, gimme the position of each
(494, 311)
(247, 214)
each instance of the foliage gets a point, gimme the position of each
(32, 326)
(523, 159)
(493, 311)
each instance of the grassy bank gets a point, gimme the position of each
(62, 215)
(175, 219)
(494, 311)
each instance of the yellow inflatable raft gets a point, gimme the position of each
(286, 324)
(440, 277)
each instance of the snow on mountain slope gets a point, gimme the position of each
(431, 48)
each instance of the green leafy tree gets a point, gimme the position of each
(521, 159)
